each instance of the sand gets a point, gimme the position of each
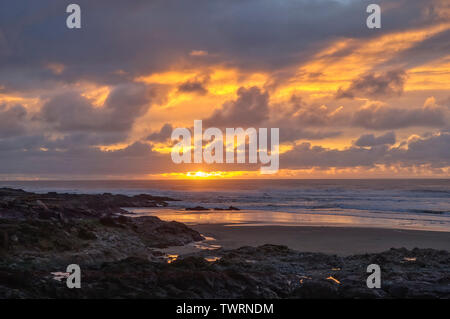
(331, 240)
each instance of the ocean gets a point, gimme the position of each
(400, 204)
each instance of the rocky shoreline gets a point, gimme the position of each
(120, 257)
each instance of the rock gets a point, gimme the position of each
(109, 221)
(19, 203)
(14, 238)
(42, 205)
(4, 240)
(46, 214)
(86, 234)
(229, 208)
(123, 219)
(196, 208)
(62, 219)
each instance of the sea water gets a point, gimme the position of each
(402, 204)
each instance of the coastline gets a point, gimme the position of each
(128, 257)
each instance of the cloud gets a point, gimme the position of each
(50, 125)
(198, 53)
(375, 85)
(380, 117)
(372, 140)
(73, 112)
(318, 115)
(12, 120)
(41, 156)
(250, 109)
(138, 158)
(194, 86)
(305, 155)
(433, 150)
(151, 35)
(290, 133)
(162, 135)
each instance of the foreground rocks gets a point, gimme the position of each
(263, 272)
(120, 257)
(42, 233)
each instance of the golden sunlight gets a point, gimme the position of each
(207, 175)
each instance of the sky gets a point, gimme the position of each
(101, 102)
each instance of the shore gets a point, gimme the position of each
(129, 257)
(329, 240)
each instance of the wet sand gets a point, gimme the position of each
(331, 240)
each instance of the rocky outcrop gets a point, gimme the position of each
(44, 233)
(20, 204)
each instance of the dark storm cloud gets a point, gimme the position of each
(192, 87)
(140, 37)
(73, 112)
(250, 109)
(372, 140)
(375, 85)
(12, 120)
(138, 158)
(76, 140)
(196, 85)
(432, 150)
(375, 116)
(293, 133)
(162, 135)
(306, 156)
(317, 116)
(21, 146)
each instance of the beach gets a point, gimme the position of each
(330, 240)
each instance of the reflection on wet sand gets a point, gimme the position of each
(312, 218)
(172, 253)
(171, 258)
(333, 279)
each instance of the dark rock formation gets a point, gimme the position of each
(20, 204)
(263, 272)
(196, 208)
(229, 208)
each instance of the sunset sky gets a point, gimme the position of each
(102, 101)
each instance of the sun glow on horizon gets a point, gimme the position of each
(208, 175)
